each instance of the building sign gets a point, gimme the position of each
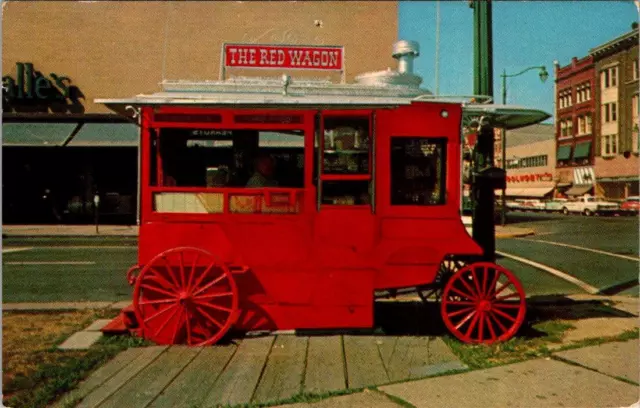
(528, 178)
(583, 175)
(284, 56)
(29, 84)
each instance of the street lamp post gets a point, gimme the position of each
(503, 146)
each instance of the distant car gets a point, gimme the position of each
(631, 205)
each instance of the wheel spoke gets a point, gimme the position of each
(205, 273)
(210, 284)
(472, 324)
(178, 326)
(154, 302)
(193, 272)
(169, 269)
(159, 313)
(466, 285)
(188, 322)
(494, 282)
(459, 312)
(481, 327)
(466, 295)
(211, 305)
(504, 329)
(208, 316)
(213, 295)
(154, 289)
(503, 287)
(503, 314)
(158, 276)
(163, 325)
(463, 321)
(475, 281)
(485, 278)
(509, 296)
(490, 326)
(183, 280)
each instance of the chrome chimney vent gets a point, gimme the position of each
(405, 51)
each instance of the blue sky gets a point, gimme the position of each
(525, 33)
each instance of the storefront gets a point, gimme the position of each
(61, 148)
(530, 163)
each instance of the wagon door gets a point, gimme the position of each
(418, 188)
(344, 224)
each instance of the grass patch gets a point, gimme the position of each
(35, 372)
(516, 349)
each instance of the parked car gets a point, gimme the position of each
(555, 205)
(631, 205)
(589, 205)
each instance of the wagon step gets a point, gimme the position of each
(125, 322)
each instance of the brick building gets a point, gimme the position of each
(61, 148)
(616, 126)
(575, 110)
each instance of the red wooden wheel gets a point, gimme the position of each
(184, 296)
(483, 303)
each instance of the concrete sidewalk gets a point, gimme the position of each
(25, 231)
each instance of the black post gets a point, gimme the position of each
(482, 192)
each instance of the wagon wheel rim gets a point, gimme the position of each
(483, 303)
(185, 296)
(448, 267)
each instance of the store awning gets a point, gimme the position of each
(579, 190)
(36, 134)
(527, 192)
(564, 152)
(106, 135)
(582, 150)
(623, 179)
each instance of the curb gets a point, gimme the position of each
(515, 234)
(63, 306)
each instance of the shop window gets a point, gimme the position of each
(636, 70)
(418, 171)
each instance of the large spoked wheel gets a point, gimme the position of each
(433, 292)
(483, 303)
(184, 296)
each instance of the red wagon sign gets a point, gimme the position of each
(284, 56)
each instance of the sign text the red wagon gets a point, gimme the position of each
(262, 56)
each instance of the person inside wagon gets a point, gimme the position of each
(264, 170)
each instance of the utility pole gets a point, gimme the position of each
(482, 188)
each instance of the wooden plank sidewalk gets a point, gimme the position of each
(260, 370)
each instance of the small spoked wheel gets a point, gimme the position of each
(483, 303)
(185, 296)
(449, 266)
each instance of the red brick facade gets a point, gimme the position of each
(575, 101)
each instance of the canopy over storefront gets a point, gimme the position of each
(579, 190)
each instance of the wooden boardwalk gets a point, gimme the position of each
(259, 370)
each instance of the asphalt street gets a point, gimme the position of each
(83, 269)
(602, 252)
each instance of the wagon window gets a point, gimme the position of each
(227, 158)
(418, 171)
(346, 161)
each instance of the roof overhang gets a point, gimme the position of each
(501, 116)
